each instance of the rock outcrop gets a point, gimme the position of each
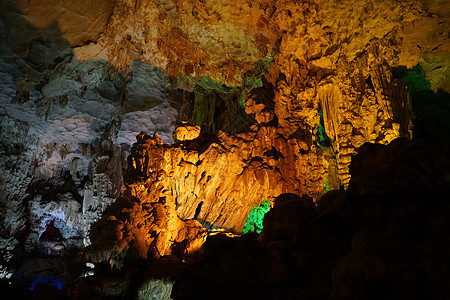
(240, 102)
(220, 185)
(66, 127)
(385, 237)
(398, 197)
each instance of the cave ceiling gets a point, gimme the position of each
(198, 111)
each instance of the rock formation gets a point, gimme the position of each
(219, 186)
(131, 132)
(385, 237)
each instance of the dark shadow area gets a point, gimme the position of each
(385, 237)
(431, 109)
(293, 257)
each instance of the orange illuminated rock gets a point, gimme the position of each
(191, 37)
(131, 231)
(80, 22)
(337, 56)
(187, 133)
(220, 185)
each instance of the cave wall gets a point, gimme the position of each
(250, 99)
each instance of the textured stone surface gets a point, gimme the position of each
(158, 278)
(156, 289)
(66, 125)
(386, 237)
(129, 231)
(250, 99)
(187, 133)
(219, 186)
(195, 38)
(80, 22)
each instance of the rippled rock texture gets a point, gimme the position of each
(330, 55)
(130, 131)
(219, 186)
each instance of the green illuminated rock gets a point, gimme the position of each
(255, 218)
(415, 79)
(431, 109)
(326, 185)
(322, 138)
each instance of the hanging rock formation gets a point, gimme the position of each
(219, 186)
(133, 131)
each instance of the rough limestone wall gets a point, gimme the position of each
(219, 186)
(69, 118)
(213, 38)
(339, 56)
(54, 112)
(66, 126)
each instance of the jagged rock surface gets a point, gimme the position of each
(385, 237)
(270, 97)
(130, 231)
(66, 127)
(219, 186)
(329, 55)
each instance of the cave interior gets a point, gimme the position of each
(216, 149)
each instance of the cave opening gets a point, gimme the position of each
(51, 233)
